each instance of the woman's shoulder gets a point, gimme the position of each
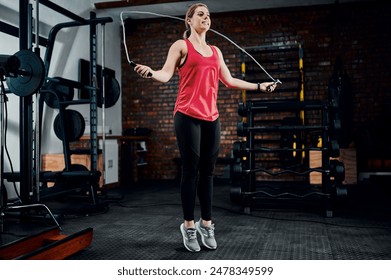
(217, 49)
(214, 46)
(179, 45)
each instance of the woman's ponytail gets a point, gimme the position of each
(186, 34)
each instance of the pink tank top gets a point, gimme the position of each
(198, 85)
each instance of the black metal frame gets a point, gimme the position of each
(27, 172)
(256, 154)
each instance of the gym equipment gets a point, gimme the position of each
(291, 141)
(337, 170)
(333, 148)
(110, 88)
(340, 97)
(71, 125)
(24, 72)
(73, 130)
(57, 90)
(30, 75)
(9, 65)
(112, 92)
(3, 197)
(24, 80)
(283, 155)
(68, 125)
(47, 245)
(274, 151)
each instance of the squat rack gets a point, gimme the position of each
(27, 172)
(29, 144)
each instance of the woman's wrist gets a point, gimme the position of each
(259, 87)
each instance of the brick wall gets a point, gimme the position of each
(356, 32)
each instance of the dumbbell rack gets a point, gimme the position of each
(273, 157)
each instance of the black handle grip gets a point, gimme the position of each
(274, 83)
(133, 64)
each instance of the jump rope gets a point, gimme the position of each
(133, 64)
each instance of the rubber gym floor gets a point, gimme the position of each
(141, 222)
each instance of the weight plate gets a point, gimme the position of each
(25, 85)
(341, 191)
(237, 149)
(334, 148)
(238, 169)
(74, 125)
(235, 194)
(240, 129)
(56, 92)
(112, 93)
(337, 170)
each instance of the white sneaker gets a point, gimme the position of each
(190, 238)
(207, 235)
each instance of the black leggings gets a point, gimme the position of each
(199, 143)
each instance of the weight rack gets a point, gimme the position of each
(278, 137)
(48, 244)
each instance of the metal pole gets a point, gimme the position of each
(2, 135)
(25, 126)
(37, 129)
(103, 107)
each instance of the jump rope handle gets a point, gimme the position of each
(268, 89)
(133, 64)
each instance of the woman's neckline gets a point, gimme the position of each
(200, 52)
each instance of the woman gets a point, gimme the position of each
(200, 67)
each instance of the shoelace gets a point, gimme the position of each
(210, 230)
(191, 233)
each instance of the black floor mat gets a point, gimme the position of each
(141, 222)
